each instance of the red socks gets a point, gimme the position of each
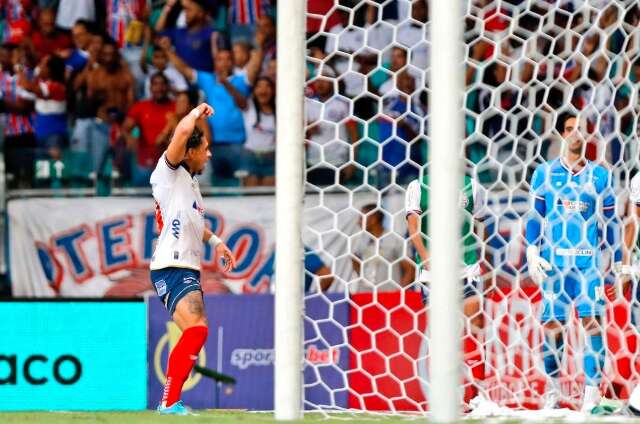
(181, 362)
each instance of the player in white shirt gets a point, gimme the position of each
(175, 265)
(629, 269)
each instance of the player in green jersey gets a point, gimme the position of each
(417, 207)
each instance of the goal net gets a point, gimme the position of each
(528, 66)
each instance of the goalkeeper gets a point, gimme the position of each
(471, 199)
(573, 216)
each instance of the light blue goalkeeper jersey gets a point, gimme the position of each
(573, 213)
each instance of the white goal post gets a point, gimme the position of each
(394, 99)
(446, 134)
(445, 170)
(289, 196)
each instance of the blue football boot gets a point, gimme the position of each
(177, 408)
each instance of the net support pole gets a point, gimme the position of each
(446, 122)
(289, 197)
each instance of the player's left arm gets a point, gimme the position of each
(631, 222)
(612, 221)
(479, 201)
(630, 231)
(612, 234)
(222, 251)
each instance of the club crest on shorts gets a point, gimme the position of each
(161, 287)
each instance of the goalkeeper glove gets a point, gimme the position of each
(538, 266)
(623, 272)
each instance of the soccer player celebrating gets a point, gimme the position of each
(574, 212)
(471, 199)
(175, 265)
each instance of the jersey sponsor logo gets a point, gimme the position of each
(198, 208)
(190, 280)
(161, 287)
(175, 228)
(574, 252)
(574, 205)
(245, 358)
(63, 374)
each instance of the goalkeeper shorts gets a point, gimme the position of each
(172, 284)
(566, 289)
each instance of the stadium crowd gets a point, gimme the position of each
(92, 89)
(100, 85)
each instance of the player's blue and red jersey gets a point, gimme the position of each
(573, 211)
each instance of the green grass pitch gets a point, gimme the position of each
(217, 417)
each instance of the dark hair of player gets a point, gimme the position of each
(195, 139)
(564, 118)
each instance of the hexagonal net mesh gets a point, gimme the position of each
(551, 87)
